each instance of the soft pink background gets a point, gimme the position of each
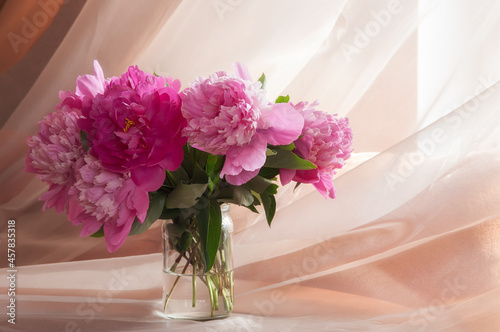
(412, 241)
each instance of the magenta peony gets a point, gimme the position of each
(326, 142)
(135, 125)
(102, 198)
(230, 115)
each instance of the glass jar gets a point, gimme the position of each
(190, 292)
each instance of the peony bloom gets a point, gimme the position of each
(135, 125)
(91, 85)
(230, 115)
(102, 198)
(54, 150)
(326, 142)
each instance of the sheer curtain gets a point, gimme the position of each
(412, 241)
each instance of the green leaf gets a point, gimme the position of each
(289, 160)
(188, 159)
(211, 163)
(269, 173)
(252, 208)
(175, 230)
(262, 79)
(269, 203)
(200, 157)
(242, 196)
(185, 195)
(282, 99)
(288, 147)
(259, 184)
(83, 139)
(156, 204)
(209, 227)
(177, 176)
(199, 175)
(270, 152)
(170, 213)
(184, 242)
(99, 233)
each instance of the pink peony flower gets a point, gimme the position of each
(326, 142)
(102, 198)
(229, 115)
(91, 85)
(54, 150)
(135, 125)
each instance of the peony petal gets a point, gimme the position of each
(91, 85)
(115, 235)
(307, 176)
(325, 185)
(90, 226)
(174, 158)
(286, 176)
(56, 197)
(249, 157)
(242, 177)
(140, 201)
(286, 124)
(148, 178)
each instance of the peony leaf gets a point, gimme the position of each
(184, 242)
(289, 160)
(260, 184)
(262, 79)
(99, 233)
(155, 209)
(209, 227)
(288, 147)
(269, 203)
(252, 208)
(199, 175)
(170, 213)
(242, 196)
(269, 173)
(214, 164)
(83, 139)
(282, 99)
(270, 152)
(185, 195)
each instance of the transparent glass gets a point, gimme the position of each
(188, 291)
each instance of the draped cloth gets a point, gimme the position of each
(410, 243)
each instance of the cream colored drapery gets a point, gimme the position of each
(412, 241)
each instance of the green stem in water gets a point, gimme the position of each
(194, 285)
(175, 283)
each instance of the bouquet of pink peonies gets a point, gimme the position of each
(120, 153)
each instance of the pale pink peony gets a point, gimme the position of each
(54, 150)
(135, 125)
(326, 142)
(91, 85)
(102, 198)
(229, 115)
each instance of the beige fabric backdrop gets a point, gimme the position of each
(412, 241)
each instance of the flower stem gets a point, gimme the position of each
(175, 283)
(194, 285)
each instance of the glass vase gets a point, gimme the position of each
(189, 291)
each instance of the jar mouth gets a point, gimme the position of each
(225, 207)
